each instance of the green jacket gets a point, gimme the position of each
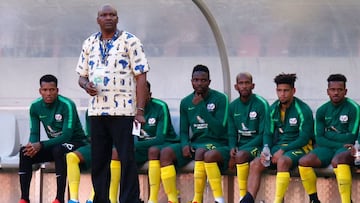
(296, 131)
(60, 120)
(337, 125)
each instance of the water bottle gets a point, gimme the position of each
(357, 153)
(267, 154)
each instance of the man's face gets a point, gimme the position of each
(336, 91)
(48, 92)
(107, 19)
(200, 82)
(285, 93)
(244, 86)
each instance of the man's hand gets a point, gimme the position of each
(90, 89)
(187, 151)
(351, 148)
(232, 164)
(139, 118)
(31, 149)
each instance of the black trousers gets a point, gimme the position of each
(56, 154)
(106, 132)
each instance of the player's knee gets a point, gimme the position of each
(241, 157)
(256, 165)
(153, 153)
(166, 155)
(212, 156)
(71, 157)
(284, 164)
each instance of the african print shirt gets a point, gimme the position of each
(112, 66)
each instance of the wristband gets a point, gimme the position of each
(141, 109)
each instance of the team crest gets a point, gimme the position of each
(58, 117)
(343, 118)
(252, 114)
(151, 121)
(293, 121)
(211, 107)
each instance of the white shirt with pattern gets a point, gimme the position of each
(113, 73)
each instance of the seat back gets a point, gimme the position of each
(9, 135)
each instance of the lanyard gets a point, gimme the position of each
(105, 46)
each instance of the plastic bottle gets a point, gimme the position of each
(357, 153)
(267, 154)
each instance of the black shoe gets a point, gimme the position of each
(248, 198)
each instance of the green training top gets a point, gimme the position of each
(207, 120)
(337, 125)
(248, 121)
(60, 120)
(296, 131)
(158, 125)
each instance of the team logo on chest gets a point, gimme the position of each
(58, 117)
(252, 115)
(343, 118)
(210, 107)
(151, 121)
(293, 121)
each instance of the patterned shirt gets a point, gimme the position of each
(112, 66)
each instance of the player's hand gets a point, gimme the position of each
(232, 164)
(351, 148)
(233, 152)
(187, 151)
(31, 149)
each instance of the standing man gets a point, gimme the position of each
(289, 136)
(336, 126)
(248, 119)
(203, 135)
(60, 119)
(112, 69)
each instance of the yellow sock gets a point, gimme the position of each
(344, 178)
(115, 169)
(199, 181)
(214, 177)
(242, 175)
(308, 178)
(73, 174)
(282, 182)
(154, 180)
(168, 177)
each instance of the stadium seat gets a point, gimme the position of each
(9, 141)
